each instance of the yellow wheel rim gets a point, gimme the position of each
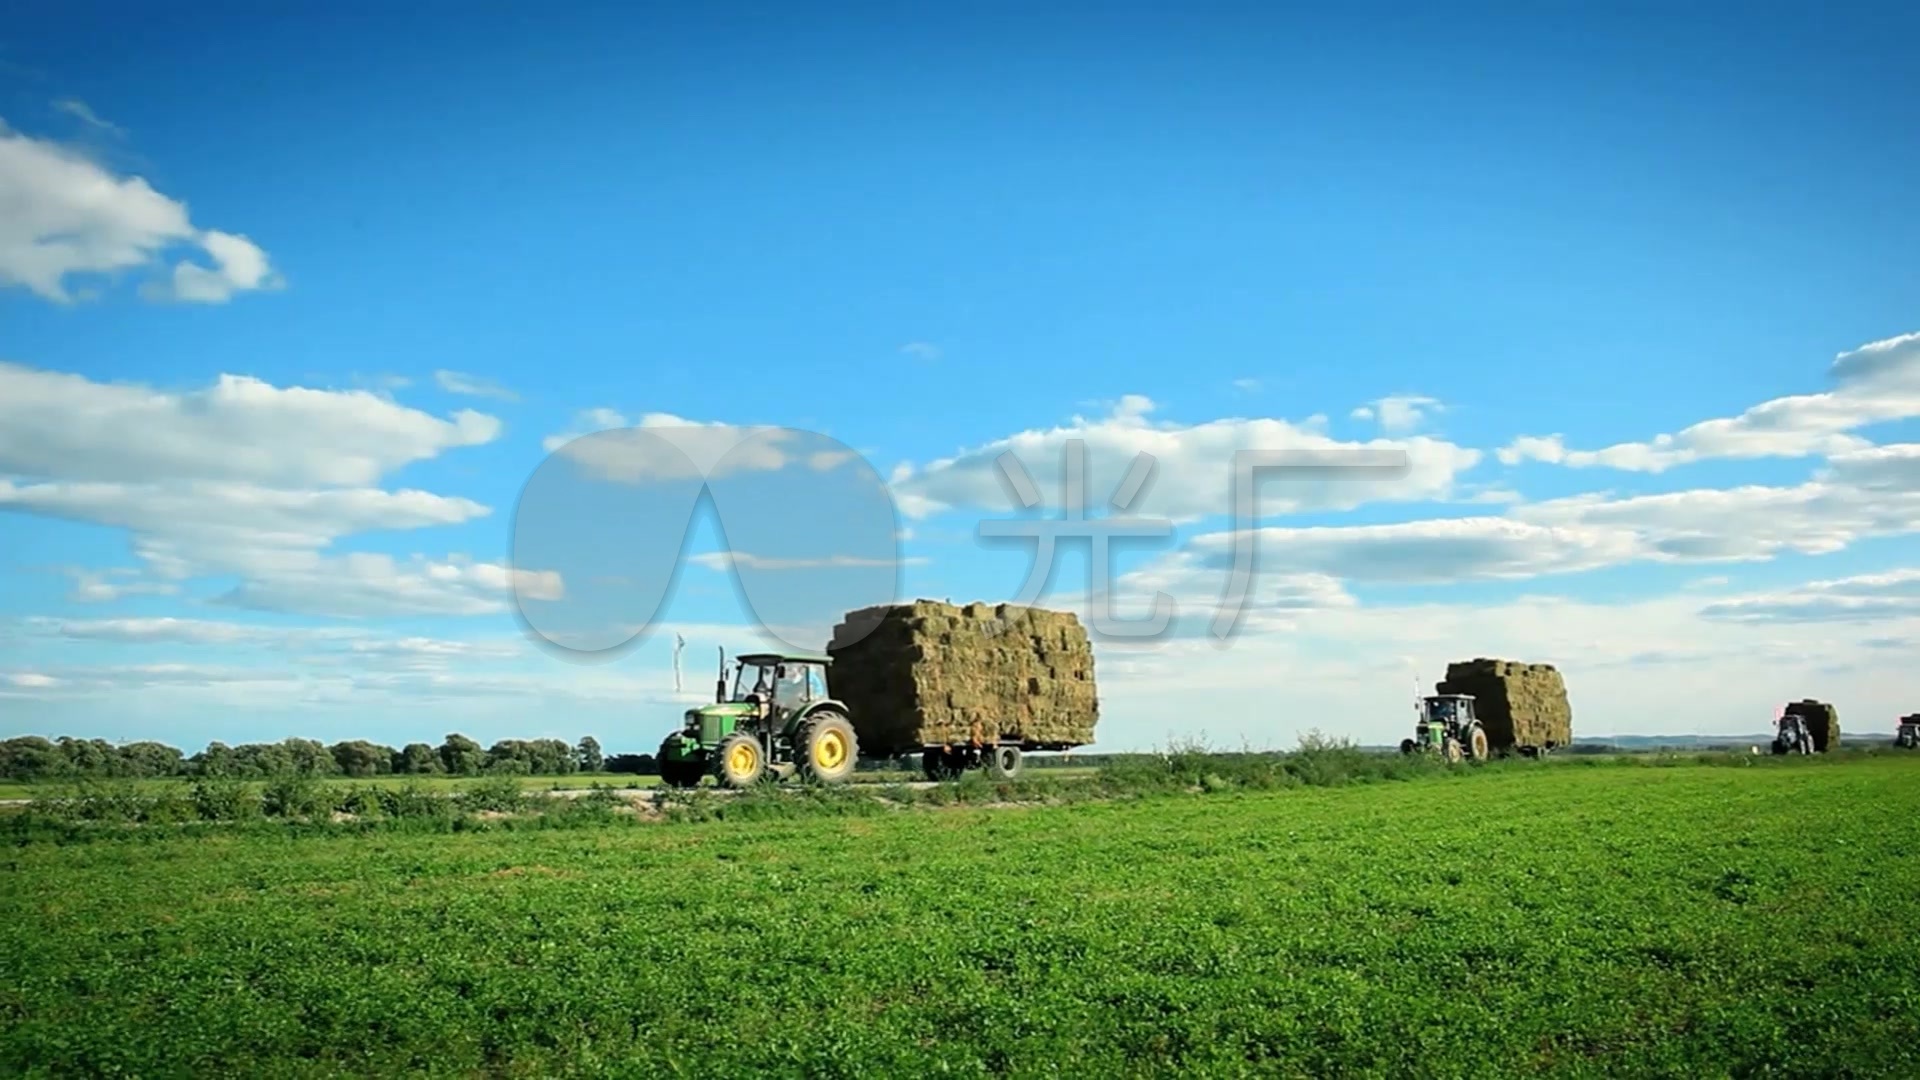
(740, 760)
(830, 750)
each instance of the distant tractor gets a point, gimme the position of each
(1793, 736)
(776, 722)
(1448, 726)
(1907, 735)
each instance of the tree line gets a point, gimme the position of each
(31, 757)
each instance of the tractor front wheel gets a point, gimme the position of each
(1452, 750)
(678, 772)
(681, 774)
(740, 762)
(828, 748)
(1408, 746)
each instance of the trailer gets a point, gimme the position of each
(964, 688)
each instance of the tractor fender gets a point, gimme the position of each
(814, 708)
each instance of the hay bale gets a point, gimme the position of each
(1518, 704)
(933, 674)
(1823, 722)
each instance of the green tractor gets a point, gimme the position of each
(1449, 726)
(775, 723)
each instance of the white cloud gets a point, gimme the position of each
(273, 538)
(1892, 468)
(1194, 466)
(102, 586)
(1571, 535)
(724, 560)
(1865, 598)
(363, 584)
(1875, 383)
(1429, 551)
(921, 350)
(246, 479)
(63, 215)
(1247, 386)
(1739, 524)
(661, 446)
(1399, 413)
(166, 630)
(459, 382)
(58, 425)
(83, 112)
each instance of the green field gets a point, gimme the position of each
(1682, 920)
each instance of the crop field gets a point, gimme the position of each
(1688, 920)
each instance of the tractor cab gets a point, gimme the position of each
(776, 685)
(1447, 710)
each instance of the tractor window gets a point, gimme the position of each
(752, 680)
(791, 689)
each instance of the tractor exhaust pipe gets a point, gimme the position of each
(720, 682)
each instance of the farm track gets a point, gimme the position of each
(630, 793)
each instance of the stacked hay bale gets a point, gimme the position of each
(1518, 704)
(1823, 722)
(933, 674)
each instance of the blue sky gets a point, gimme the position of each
(932, 236)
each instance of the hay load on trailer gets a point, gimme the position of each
(1822, 721)
(965, 687)
(1523, 707)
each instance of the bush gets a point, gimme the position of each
(219, 799)
(358, 801)
(414, 801)
(501, 794)
(295, 797)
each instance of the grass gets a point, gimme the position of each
(1685, 920)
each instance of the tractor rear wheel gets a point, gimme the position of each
(740, 762)
(828, 748)
(1478, 742)
(1005, 763)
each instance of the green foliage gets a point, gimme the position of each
(415, 802)
(500, 794)
(1732, 918)
(219, 799)
(295, 797)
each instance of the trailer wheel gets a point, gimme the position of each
(1005, 763)
(828, 748)
(740, 763)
